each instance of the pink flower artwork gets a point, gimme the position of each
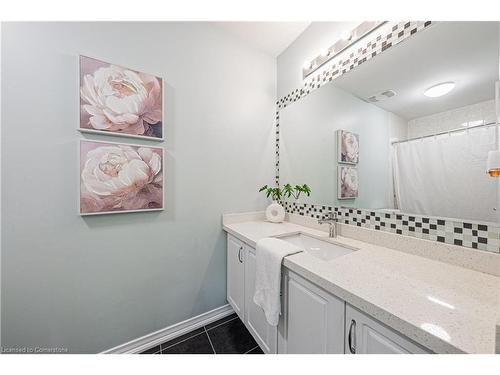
(348, 147)
(347, 182)
(121, 101)
(117, 177)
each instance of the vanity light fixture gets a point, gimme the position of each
(439, 90)
(347, 38)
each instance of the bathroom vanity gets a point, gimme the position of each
(368, 299)
(396, 148)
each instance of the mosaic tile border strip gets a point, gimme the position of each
(460, 233)
(374, 47)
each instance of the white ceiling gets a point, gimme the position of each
(464, 52)
(269, 37)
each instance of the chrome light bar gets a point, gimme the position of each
(346, 41)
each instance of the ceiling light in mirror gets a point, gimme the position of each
(439, 90)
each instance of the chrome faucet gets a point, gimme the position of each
(331, 219)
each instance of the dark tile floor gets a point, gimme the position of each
(225, 336)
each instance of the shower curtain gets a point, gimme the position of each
(446, 175)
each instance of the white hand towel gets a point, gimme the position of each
(270, 253)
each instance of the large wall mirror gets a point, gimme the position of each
(406, 148)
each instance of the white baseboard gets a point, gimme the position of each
(165, 334)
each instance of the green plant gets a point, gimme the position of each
(295, 192)
(274, 193)
(288, 191)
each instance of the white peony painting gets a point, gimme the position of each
(117, 177)
(348, 147)
(121, 101)
(347, 182)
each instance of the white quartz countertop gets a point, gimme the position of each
(445, 308)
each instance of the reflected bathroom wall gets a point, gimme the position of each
(419, 152)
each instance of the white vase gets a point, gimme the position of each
(275, 213)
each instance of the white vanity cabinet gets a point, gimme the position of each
(364, 335)
(236, 275)
(312, 320)
(240, 290)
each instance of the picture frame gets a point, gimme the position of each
(142, 185)
(347, 147)
(135, 110)
(347, 182)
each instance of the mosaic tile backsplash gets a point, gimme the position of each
(462, 233)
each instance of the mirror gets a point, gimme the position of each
(373, 139)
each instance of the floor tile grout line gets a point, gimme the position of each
(204, 328)
(221, 323)
(255, 347)
(159, 351)
(190, 337)
(218, 325)
(209, 340)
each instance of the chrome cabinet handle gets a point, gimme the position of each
(351, 339)
(239, 254)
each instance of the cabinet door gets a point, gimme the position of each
(236, 275)
(312, 319)
(364, 335)
(255, 319)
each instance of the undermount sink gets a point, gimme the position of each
(320, 249)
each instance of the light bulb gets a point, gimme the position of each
(307, 65)
(324, 52)
(345, 35)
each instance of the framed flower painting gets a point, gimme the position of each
(117, 177)
(348, 147)
(120, 101)
(347, 182)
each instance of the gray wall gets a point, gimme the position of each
(91, 283)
